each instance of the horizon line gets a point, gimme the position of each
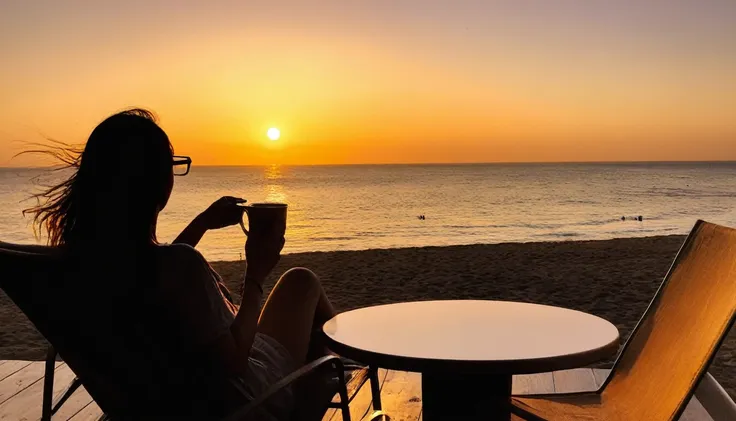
(435, 164)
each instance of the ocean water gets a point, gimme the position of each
(366, 206)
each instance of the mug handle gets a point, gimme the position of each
(242, 225)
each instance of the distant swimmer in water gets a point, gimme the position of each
(640, 218)
(623, 218)
(421, 217)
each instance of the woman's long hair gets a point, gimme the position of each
(121, 180)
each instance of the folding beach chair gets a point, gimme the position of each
(669, 351)
(24, 277)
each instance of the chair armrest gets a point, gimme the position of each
(715, 399)
(243, 411)
(27, 248)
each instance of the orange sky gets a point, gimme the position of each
(380, 82)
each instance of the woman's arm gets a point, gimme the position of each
(222, 213)
(192, 233)
(245, 325)
(233, 348)
(228, 343)
(262, 256)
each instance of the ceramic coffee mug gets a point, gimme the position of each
(265, 219)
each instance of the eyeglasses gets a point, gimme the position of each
(181, 165)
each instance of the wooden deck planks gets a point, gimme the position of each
(529, 384)
(600, 374)
(19, 376)
(695, 412)
(400, 398)
(359, 406)
(21, 379)
(576, 380)
(21, 387)
(33, 373)
(76, 402)
(11, 367)
(90, 412)
(401, 395)
(26, 405)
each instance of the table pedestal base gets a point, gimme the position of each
(466, 397)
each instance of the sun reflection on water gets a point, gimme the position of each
(273, 172)
(274, 189)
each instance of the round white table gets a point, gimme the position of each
(468, 350)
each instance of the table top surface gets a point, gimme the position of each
(472, 335)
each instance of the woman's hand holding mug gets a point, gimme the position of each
(224, 212)
(262, 254)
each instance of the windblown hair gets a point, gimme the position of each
(122, 172)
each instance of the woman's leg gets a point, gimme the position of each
(296, 307)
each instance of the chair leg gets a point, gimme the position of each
(345, 409)
(48, 385)
(343, 391)
(375, 387)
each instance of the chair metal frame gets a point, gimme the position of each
(51, 405)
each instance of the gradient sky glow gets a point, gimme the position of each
(379, 81)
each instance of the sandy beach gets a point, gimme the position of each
(614, 279)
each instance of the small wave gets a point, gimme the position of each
(637, 230)
(579, 202)
(323, 218)
(370, 234)
(594, 223)
(332, 238)
(680, 192)
(544, 236)
(474, 226)
(536, 226)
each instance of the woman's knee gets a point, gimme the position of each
(300, 279)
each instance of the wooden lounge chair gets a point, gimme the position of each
(24, 276)
(667, 355)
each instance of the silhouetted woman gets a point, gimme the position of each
(152, 324)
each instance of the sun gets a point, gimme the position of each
(273, 133)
